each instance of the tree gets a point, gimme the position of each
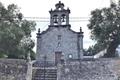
(13, 30)
(94, 49)
(105, 28)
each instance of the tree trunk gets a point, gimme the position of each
(111, 50)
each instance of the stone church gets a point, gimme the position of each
(59, 41)
(55, 44)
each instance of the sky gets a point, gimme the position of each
(79, 8)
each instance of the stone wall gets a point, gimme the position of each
(98, 69)
(87, 69)
(13, 69)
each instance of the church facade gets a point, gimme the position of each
(59, 41)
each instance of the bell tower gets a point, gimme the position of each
(59, 16)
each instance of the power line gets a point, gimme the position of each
(36, 17)
(47, 19)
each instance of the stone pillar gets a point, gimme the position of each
(38, 44)
(51, 17)
(81, 47)
(67, 16)
(28, 57)
(29, 71)
(80, 44)
(29, 68)
(67, 20)
(59, 19)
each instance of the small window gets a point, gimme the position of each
(70, 56)
(59, 37)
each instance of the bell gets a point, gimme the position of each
(63, 20)
(55, 21)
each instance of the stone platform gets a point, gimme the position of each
(94, 69)
(86, 69)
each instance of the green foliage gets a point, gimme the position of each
(2, 55)
(13, 31)
(95, 49)
(105, 28)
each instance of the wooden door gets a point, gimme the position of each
(58, 56)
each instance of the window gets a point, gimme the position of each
(70, 56)
(59, 37)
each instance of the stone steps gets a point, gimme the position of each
(44, 74)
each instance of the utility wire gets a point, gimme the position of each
(47, 19)
(36, 17)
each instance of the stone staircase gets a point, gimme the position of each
(44, 74)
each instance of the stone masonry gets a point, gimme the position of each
(59, 40)
(13, 69)
(93, 69)
(96, 69)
